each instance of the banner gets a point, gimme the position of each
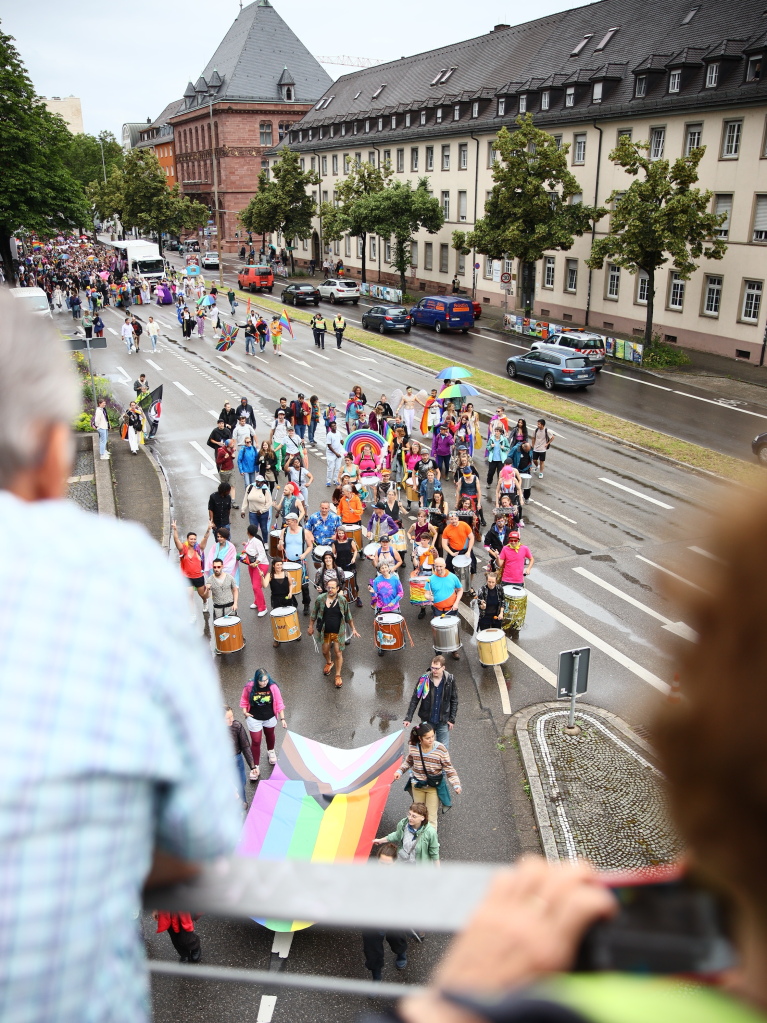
(151, 404)
(382, 292)
(616, 348)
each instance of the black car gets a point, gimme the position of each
(301, 294)
(386, 317)
(759, 447)
(171, 245)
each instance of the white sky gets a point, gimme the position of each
(126, 63)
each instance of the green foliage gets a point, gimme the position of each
(660, 218)
(399, 211)
(83, 158)
(350, 214)
(282, 202)
(37, 190)
(459, 243)
(660, 355)
(114, 410)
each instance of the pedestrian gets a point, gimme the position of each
(101, 425)
(350, 507)
(314, 416)
(153, 330)
(496, 452)
(490, 601)
(257, 504)
(386, 592)
(542, 440)
(88, 323)
(225, 455)
(134, 422)
(223, 550)
(263, 703)
(141, 385)
(373, 941)
(323, 525)
(250, 339)
(286, 502)
(276, 332)
(232, 300)
(435, 697)
(262, 329)
(187, 322)
(328, 571)
(224, 591)
(58, 298)
(457, 538)
(430, 765)
(220, 506)
(331, 618)
(191, 554)
(267, 464)
(242, 430)
(300, 415)
(381, 524)
(246, 409)
(319, 327)
(242, 752)
(256, 560)
(247, 462)
(200, 321)
(127, 334)
(180, 928)
(300, 477)
(334, 453)
(514, 562)
(415, 838)
(442, 448)
(495, 537)
(296, 546)
(347, 555)
(98, 326)
(218, 436)
(446, 592)
(138, 330)
(74, 305)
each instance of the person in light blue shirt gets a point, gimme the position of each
(134, 780)
(323, 525)
(497, 450)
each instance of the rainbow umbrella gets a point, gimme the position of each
(458, 391)
(355, 442)
(228, 334)
(453, 373)
(207, 300)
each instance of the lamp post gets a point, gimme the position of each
(215, 192)
(103, 162)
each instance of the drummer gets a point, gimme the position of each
(329, 570)
(367, 463)
(386, 590)
(350, 507)
(514, 561)
(490, 600)
(224, 591)
(446, 591)
(323, 525)
(381, 524)
(458, 538)
(347, 555)
(385, 554)
(296, 545)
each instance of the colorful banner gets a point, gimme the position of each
(320, 804)
(381, 291)
(617, 348)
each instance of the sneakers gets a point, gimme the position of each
(271, 756)
(205, 606)
(254, 774)
(262, 613)
(105, 458)
(422, 613)
(401, 961)
(253, 607)
(540, 475)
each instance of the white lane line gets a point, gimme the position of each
(299, 361)
(154, 365)
(321, 356)
(505, 704)
(299, 380)
(202, 452)
(266, 1008)
(182, 388)
(212, 413)
(668, 571)
(113, 331)
(497, 340)
(351, 356)
(546, 508)
(678, 628)
(705, 554)
(526, 658)
(600, 644)
(732, 408)
(623, 376)
(636, 493)
(368, 377)
(282, 942)
(126, 375)
(260, 358)
(224, 359)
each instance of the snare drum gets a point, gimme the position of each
(285, 627)
(318, 553)
(419, 590)
(411, 493)
(355, 533)
(462, 568)
(389, 631)
(527, 481)
(445, 634)
(491, 647)
(293, 571)
(370, 550)
(228, 633)
(399, 541)
(350, 586)
(275, 535)
(514, 606)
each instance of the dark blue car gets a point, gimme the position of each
(444, 312)
(384, 318)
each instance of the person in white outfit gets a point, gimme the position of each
(407, 404)
(334, 452)
(127, 334)
(153, 330)
(101, 423)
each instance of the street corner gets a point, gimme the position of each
(596, 791)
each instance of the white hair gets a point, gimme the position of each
(37, 373)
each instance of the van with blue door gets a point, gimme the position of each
(444, 312)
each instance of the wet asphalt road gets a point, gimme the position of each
(601, 520)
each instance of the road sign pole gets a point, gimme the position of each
(571, 727)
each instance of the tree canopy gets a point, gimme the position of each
(400, 210)
(83, 158)
(282, 202)
(350, 213)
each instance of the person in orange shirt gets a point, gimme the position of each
(350, 507)
(457, 538)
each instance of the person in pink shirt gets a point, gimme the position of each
(262, 702)
(514, 561)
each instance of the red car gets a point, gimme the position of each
(477, 309)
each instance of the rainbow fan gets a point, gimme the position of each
(228, 333)
(356, 441)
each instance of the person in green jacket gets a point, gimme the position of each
(415, 838)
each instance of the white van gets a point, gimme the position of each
(33, 299)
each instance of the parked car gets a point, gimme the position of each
(210, 259)
(191, 245)
(171, 245)
(301, 294)
(336, 289)
(256, 278)
(758, 445)
(444, 312)
(386, 317)
(580, 342)
(554, 368)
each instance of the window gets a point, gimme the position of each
(693, 135)
(444, 255)
(347, 245)
(462, 199)
(372, 157)
(492, 153)
(407, 119)
(475, 108)
(731, 139)
(373, 247)
(347, 163)
(302, 164)
(752, 301)
(640, 89)
(387, 157)
(712, 76)
(380, 123)
(723, 204)
(314, 198)
(576, 198)
(360, 249)
(428, 250)
(423, 117)
(488, 267)
(414, 253)
(548, 271)
(332, 131)
(581, 44)
(414, 158)
(313, 164)
(430, 158)
(501, 106)
(523, 103)
(760, 219)
(545, 100)
(657, 143)
(690, 15)
(334, 163)
(367, 125)
(643, 287)
(393, 122)
(460, 263)
(457, 112)
(446, 157)
(324, 195)
(596, 92)
(579, 148)
(434, 81)
(400, 161)
(557, 141)
(324, 165)
(674, 81)
(712, 296)
(463, 156)
(358, 160)
(754, 69)
(387, 251)
(613, 280)
(446, 205)
(378, 91)
(571, 275)
(438, 115)
(676, 291)
(304, 244)
(570, 96)
(355, 128)
(343, 129)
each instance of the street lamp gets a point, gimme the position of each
(103, 163)
(215, 191)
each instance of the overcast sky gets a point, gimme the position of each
(126, 63)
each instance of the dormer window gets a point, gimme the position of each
(754, 69)
(596, 92)
(379, 90)
(581, 44)
(501, 106)
(380, 123)
(393, 121)
(438, 115)
(475, 108)
(423, 117)
(367, 125)
(545, 100)
(606, 39)
(322, 133)
(457, 112)
(640, 89)
(674, 81)
(288, 93)
(343, 129)
(570, 96)
(712, 75)
(446, 75)
(523, 103)
(407, 119)
(332, 131)
(355, 128)
(311, 134)
(300, 136)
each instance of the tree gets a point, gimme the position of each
(83, 158)
(108, 197)
(399, 211)
(284, 204)
(37, 191)
(262, 214)
(660, 217)
(349, 214)
(529, 211)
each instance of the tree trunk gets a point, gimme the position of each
(159, 241)
(650, 307)
(5, 254)
(364, 238)
(528, 287)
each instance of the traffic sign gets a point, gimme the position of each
(573, 675)
(505, 278)
(476, 266)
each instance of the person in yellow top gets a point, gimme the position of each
(339, 326)
(275, 329)
(319, 326)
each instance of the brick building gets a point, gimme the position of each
(158, 136)
(260, 80)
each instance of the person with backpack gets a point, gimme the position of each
(138, 330)
(257, 504)
(301, 412)
(542, 439)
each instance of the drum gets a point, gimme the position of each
(462, 568)
(445, 634)
(514, 606)
(370, 550)
(350, 586)
(411, 493)
(355, 533)
(423, 558)
(419, 590)
(389, 631)
(318, 553)
(399, 541)
(293, 571)
(491, 647)
(228, 633)
(285, 627)
(527, 481)
(275, 536)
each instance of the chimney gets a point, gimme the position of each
(500, 28)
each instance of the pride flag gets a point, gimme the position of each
(285, 321)
(321, 804)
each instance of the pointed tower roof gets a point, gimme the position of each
(253, 57)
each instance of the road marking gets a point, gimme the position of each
(154, 365)
(600, 644)
(266, 1008)
(527, 658)
(623, 376)
(368, 377)
(706, 554)
(207, 470)
(224, 359)
(321, 356)
(182, 388)
(282, 942)
(546, 508)
(113, 331)
(668, 571)
(212, 413)
(505, 704)
(299, 361)
(299, 380)
(711, 401)
(636, 493)
(498, 340)
(201, 451)
(678, 628)
(126, 375)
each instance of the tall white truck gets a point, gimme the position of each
(142, 258)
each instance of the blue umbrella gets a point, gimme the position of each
(453, 373)
(208, 300)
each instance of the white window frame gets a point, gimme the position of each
(640, 87)
(446, 205)
(570, 96)
(613, 282)
(579, 148)
(444, 258)
(675, 80)
(487, 272)
(571, 276)
(596, 92)
(407, 119)
(475, 108)
(445, 157)
(463, 156)
(456, 111)
(463, 205)
(438, 115)
(657, 142)
(760, 218)
(428, 256)
(413, 253)
(414, 159)
(712, 295)
(429, 159)
(643, 288)
(545, 99)
(373, 247)
(549, 272)
(523, 103)
(723, 204)
(359, 248)
(692, 130)
(712, 75)
(324, 165)
(400, 156)
(751, 303)
(732, 136)
(676, 290)
(423, 117)
(501, 106)
(393, 122)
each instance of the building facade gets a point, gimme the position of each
(158, 136)
(70, 108)
(259, 82)
(675, 74)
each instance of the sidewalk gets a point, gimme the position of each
(140, 489)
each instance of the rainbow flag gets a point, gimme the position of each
(285, 321)
(320, 804)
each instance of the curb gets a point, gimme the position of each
(102, 477)
(540, 807)
(164, 484)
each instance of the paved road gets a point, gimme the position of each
(602, 519)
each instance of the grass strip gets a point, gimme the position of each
(693, 455)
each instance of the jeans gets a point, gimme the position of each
(301, 430)
(128, 344)
(261, 521)
(233, 306)
(153, 339)
(239, 762)
(442, 734)
(312, 431)
(249, 478)
(443, 464)
(103, 437)
(250, 345)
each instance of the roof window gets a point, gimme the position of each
(443, 76)
(606, 38)
(690, 15)
(379, 90)
(358, 94)
(581, 44)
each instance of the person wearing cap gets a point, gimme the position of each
(247, 408)
(296, 546)
(514, 562)
(442, 447)
(380, 524)
(334, 449)
(386, 555)
(257, 504)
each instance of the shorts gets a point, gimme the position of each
(196, 583)
(539, 456)
(253, 725)
(225, 475)
(330, 637)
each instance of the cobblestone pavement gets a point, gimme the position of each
(82, 488)
(602, 793)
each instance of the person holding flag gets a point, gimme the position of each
(276, 332)
(151, 404)
(285, 321)
(262, 329)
